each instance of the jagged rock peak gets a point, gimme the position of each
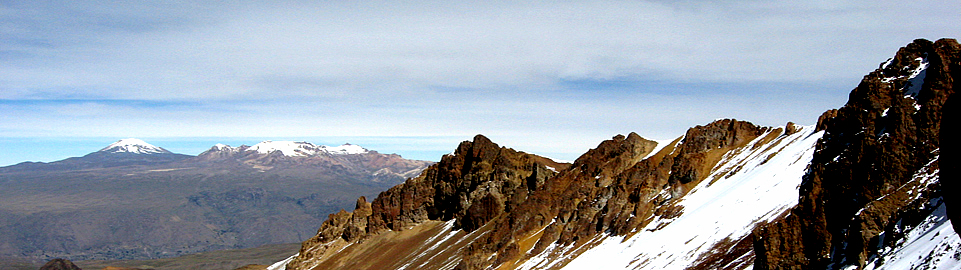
(59, 264)
(135, 146)
(614, 146)
(480, 147)
(873, 150)
(720, 133)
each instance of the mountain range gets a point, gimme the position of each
(134, 200)
(870, 186)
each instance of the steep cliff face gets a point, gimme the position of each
(875, 169)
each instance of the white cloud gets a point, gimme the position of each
(431, 68)
(371, 46)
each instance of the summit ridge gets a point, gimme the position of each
(288, 149)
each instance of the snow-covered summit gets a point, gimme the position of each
(295, 149)
(135, 146)
(346, 149)
(288, 148)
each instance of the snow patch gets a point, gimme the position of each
(303, 149)
(346, 149)
(282, 265)
(660, 145)
(887, 63)
(435, 242)
(933, 244)
(916, 79)
(288, 148)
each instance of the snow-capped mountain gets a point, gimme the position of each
(139, 201)
(269, 155)
(295, 149)
(861, 189)
(134, 146)
(122, 153)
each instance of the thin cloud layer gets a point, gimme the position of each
(574, 71)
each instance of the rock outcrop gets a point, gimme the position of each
(59, 264)
(875, 167)
(472, 186)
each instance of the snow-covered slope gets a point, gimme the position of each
(933, 244)
(135, 146)
(754, 184)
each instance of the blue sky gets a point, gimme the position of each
(417, 77)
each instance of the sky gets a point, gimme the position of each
(417, 77)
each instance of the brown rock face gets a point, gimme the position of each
(868, 159)
(478, 171)
(612, 189)
(59, 264)
(473, 186)
(521, 204)
(697, 158)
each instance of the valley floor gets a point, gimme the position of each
(214, 260)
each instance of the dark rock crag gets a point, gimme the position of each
(876, 150)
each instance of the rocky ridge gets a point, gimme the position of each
(514, 204)
(871, 179)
